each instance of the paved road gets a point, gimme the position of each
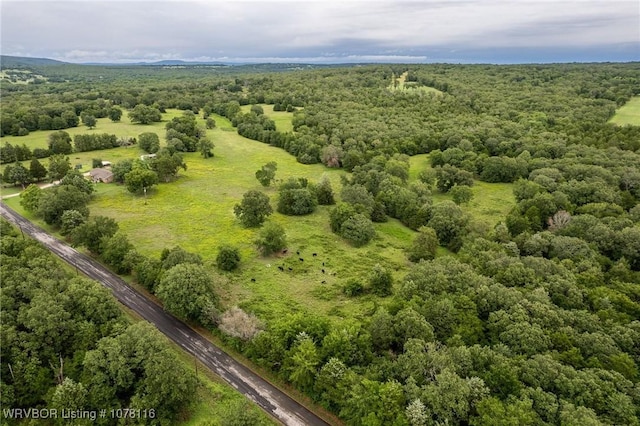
(268, 397)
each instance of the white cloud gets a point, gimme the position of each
(115, 30)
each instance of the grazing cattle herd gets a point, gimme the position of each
(284, 267)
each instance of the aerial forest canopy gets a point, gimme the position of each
(534, 319)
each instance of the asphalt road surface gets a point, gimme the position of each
(268, 397)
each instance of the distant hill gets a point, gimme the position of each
(8, 62)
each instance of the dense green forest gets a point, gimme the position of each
(66, 344)
(535, 320)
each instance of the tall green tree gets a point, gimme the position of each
(30, 198)
(424, 245)
(149, 142)
(55, 201)
(37, 170)
(60, 142)
(91, 234)
(166, 165)
(140, 179)
(254, 209)
(89, 120)
(144, 114)
(59, 165)
(324, 192)
(303, 362)
(185, 290)
(115, 114)
(205, 147)
(267, 173)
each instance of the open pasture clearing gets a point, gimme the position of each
(281, 118)
(491, 201)
(196, 212)
(400, 84)
(628, 114)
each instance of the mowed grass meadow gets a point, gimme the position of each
(628, 114)
(196, 213)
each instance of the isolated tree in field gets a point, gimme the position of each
(424, 245)
(267, 173)
(210, 123)
(185, 290)
(140, 179)
(89, 120)
(144, 114)
(60, 142)
(115, 114)
(30, 198)
(59, 165)
(37, 170)
(461, 194)
(272, 239)
(149, 142)
(254, 209)
(228, 258)
(205, 147)
(380, 281)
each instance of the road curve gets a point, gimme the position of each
(267, 396)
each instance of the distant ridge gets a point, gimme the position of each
(167, 62)
(20, 61)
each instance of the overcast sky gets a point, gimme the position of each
(495, 31)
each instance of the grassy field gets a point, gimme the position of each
(628, 114)
(196, 212)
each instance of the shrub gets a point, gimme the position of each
(353, 287)
(380, 281)
(271, 239)
(228, 258)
